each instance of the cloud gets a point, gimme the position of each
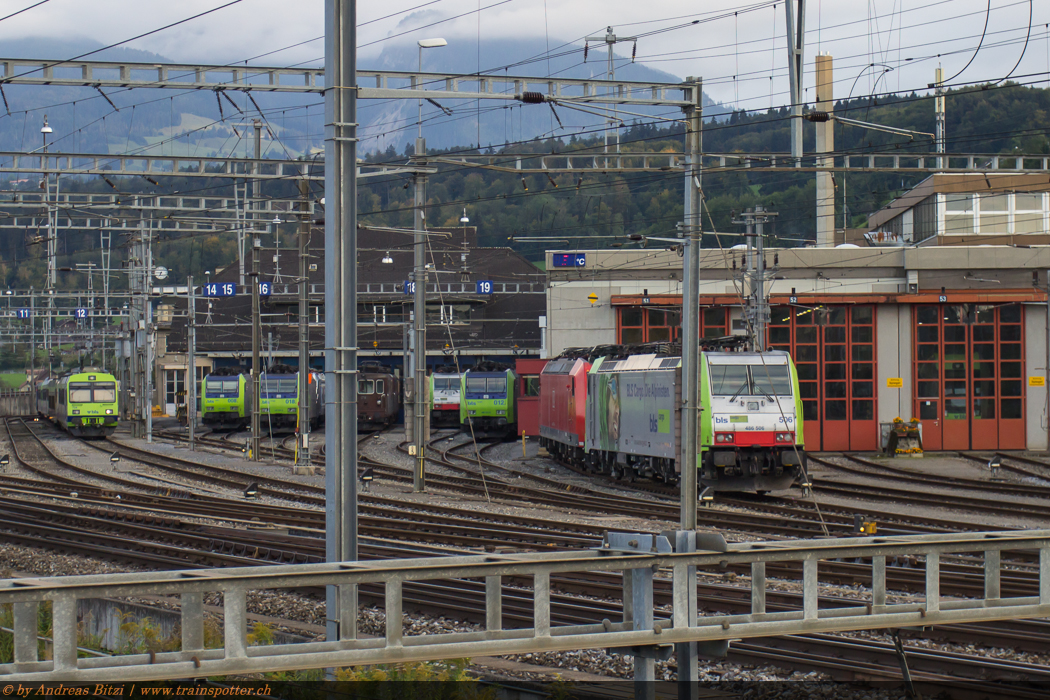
(736, 54)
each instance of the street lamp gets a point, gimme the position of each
(426, 44)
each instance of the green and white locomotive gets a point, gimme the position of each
(84, 403)
(750, 425)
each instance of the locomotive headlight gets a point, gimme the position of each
(109, 411)
(500, 413)
(76, 411)
(785, 437)
(724, 437)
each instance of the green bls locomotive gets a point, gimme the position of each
(488, 394)
(226, 403)
(83, 403)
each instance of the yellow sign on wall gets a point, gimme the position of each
(1037, 381)
(593, 298)
(895, 382)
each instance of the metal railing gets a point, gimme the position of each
(640, 628)
(398, 288)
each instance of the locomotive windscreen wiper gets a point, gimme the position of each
(738, 392)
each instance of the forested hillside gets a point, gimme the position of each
(601, 210)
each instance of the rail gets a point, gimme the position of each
(641, 630)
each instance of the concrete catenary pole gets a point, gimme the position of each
(761, 307)
(253, 280)
(686, 652)
(795, 14)
(938, 111)
(191, 346)
(341, 308)
(32, 339)
(419, 306)
(825, 144)
(303, 455)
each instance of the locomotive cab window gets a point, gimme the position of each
(222, 387)
(728, 380)
(285, 387)
(104, 392)
(750, 380)
(446, 383)
(771, 379)
(487, 385)
(79, 392)
(379, 386)
(366, 386)
(531, 384)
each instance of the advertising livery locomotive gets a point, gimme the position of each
(617, 411)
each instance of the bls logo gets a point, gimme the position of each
(721, 419)
(653, 425)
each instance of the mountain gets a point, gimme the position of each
(393, 123)
(156, 121)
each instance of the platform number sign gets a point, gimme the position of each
(792, 300)
(942, 298)
(569, 259)
(484, 287)
(410, 287)
(24, 313)
(265, 289)
(215, 289)
(80, 313)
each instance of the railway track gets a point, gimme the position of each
(167, 543)
(262, 546)
(919, 497)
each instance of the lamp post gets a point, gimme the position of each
(417, 412)
(426, 44)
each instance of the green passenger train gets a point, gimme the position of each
(84, 403)
(488, 399)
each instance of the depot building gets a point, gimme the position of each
(953, 335)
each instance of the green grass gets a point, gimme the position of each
(12, 380)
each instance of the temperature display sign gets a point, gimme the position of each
(569, 259)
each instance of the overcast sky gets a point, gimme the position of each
(736, 46)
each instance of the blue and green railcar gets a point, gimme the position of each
(85, 403)
(488, 398)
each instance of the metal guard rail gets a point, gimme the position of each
(639, 554)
